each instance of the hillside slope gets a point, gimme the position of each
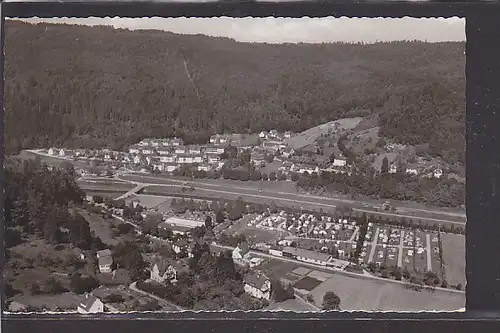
(96, 86)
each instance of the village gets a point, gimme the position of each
(269, 152)
(295, 250)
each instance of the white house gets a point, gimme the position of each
(167, 159)
(179, 246)
(393, 168)
(137, 159)
(288, 134)
(180, 150)
(170, 167)
(105, 260)
(211, 158)
(62, 152)
(158, 166)
(163, 151)
(411, 171)
(258, 285)
(240, 251)
(194, 150)
(90, 304)
(161, 270)
(203, 167)
(438, 173)
(276, 252)
(133, 150)
(183, 158)
(263, 135)
(339, 162)
(308, 168)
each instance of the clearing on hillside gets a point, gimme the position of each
(308, 137)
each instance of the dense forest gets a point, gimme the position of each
(97, 86)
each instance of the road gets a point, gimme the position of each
(274, 195)
(333, 270)
(269, 196)
(249, 190)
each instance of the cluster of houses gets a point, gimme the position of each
(436, 173)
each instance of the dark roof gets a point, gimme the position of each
(162, 264)
(88, 301)
(307, 253)
(256, 280)
(181, 243)
(103, 253)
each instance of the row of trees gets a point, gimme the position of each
(365, 181)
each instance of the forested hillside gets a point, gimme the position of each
(96, 86)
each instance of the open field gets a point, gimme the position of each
(37, 261)
(104, 194)
(295, 305)
(103, 227)
(54, 161)
(370, 295)
(103, 185)
(148, 201)
(309, 136)
(454, 258)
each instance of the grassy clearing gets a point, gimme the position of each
(103, 228)
(37, 261)
(454, 258)
(149, 201)
(370, 295)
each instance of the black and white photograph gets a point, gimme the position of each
(222, 164)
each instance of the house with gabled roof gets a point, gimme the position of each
(90, 304)
(133, 150)
(179, 246)
(181, 150)
(240, 251)
(105, 260)
(257, 285)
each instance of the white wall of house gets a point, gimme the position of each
(257, 293)
(275, 252)
(105, 268)
(97, 307)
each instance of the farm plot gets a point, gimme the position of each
(307, 283)
(278, 269)
(371, 295)
(454, 258)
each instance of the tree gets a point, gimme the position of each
(332, 157)
(331, 301)
(385, 166)
(272, 176)
(219, 217)
(208, 222)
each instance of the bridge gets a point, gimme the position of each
(131, 192)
